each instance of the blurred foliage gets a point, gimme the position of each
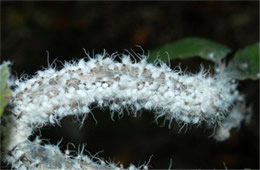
(245, 63)
(4, 89)
(191, 47)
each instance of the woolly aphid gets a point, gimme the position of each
(53, 94)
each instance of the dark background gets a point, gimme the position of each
(28, 29)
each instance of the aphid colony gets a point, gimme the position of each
(188, 98)
(53, 94)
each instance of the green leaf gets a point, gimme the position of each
(245, 63)
(5, 92)
(191, 47)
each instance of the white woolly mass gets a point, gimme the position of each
(52, 94)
